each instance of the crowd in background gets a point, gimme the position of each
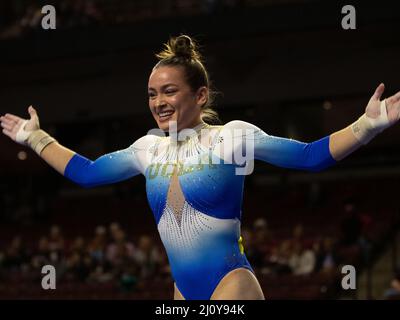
(111, 254)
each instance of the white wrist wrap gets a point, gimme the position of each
(36, 139)
(39, 139)
(366, 128)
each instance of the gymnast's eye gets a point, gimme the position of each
(170, 91)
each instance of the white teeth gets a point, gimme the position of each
(164, 114)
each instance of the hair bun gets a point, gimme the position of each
(180, 47)
(184, 47)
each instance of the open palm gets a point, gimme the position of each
(12, 124)
(392, 105)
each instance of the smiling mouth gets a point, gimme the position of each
(165, 115)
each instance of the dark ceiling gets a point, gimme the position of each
(278, 65)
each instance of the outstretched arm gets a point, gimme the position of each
(318, 155)
(113, 167)
(246, 139)
(109, 168)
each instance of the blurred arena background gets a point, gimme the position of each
(285, 66)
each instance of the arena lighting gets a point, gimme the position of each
(327, 105)
(22, 155)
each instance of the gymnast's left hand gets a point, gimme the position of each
(392, 106)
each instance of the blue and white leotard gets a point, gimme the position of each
(195, 192)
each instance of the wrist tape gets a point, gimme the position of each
(366, 128)
(38, 140)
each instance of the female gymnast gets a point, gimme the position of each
(193, 179)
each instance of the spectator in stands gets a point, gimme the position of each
(354, 229)
(298, 235)
(78, 267)
(15, 254)
(78, 264)
(41, 256)
(164, 271)
(97, 245)
(114, 229)
(120, 251)
(101, 274)
(319, 255)
(56, 239)
(78, 245)
(302, 260)
(128, 278)
(147, 257)
(261, 235)
(277, 261)
(326, 257)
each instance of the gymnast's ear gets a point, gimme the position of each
(202, 96)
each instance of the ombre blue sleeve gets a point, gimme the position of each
(287, 153)
(109, 168)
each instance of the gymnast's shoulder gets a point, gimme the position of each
(239, 124)
(148, 140)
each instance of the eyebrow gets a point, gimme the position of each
(164, 86)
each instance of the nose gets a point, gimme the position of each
(158, 103)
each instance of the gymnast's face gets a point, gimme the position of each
(172, 99)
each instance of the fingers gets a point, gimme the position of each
(393, 99)
(32, 111)
(7, 121)
(7, 126)
(378, 92)
(11, 117)
(396, 97)
(7, 133)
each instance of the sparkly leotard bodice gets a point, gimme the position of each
(195, 187)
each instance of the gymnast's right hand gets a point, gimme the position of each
(19, 129)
